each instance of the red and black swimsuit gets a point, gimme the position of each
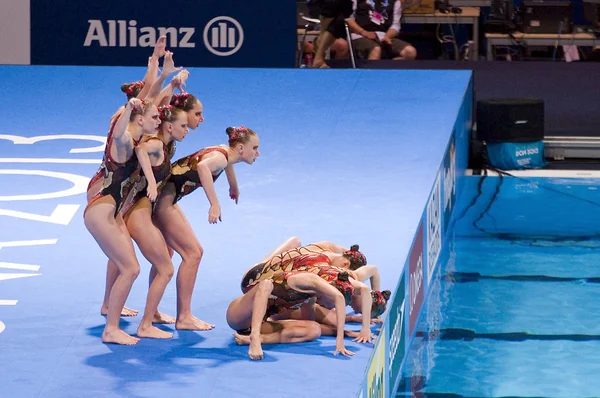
(265, 271)
(161, 173)
(256, 271)
(283, 296)
(118, 177)
(100, 173)
(184, 174)
(315, 263)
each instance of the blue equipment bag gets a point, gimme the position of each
(516, 155)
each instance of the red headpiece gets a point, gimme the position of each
(357, 259)
(134, 89)
(178, 100)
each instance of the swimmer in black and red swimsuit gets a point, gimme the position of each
(154, 155)
(198, 170)
(329, 285)
(292, 248)
(138, 89)
(160, 174)
(327, 317)
(202, 168)
(292, 260)
(285, 298)
(117, 178)
(190, 249)
(149, 90)
(185, 177)
(101, 215)
(290, 256)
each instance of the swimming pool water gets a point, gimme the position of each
(511, 318)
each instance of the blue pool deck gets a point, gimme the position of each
(347, 156)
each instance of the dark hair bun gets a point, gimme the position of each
(386, 294)
(354, 247)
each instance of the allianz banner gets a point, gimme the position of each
(200, 33)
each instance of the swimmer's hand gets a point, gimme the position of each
(234, 193)
(353, 334)
(358, 319)
(342, 350)
(179, 80)
(135, 104)
(214, 214)
(364, 336)
(152, 191)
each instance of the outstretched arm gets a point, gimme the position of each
(120, 128)
(164, 98)
(168, 69)
(369, 272)
(366, 303)
(259, 309)
(311, 283)
(152, 73)
(234, 191)
(209, 164)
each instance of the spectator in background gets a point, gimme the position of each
(332, 15)
(375, 25)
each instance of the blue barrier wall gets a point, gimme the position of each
(231, 33)
(428, 250)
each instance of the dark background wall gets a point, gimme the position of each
(571, 91)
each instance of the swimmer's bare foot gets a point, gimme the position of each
(192, 323)
(117, 336)
(124, 312)
(152, 332)
(163, 319)
(240, 339)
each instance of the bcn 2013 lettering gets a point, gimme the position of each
(528, 151)
(62, 213)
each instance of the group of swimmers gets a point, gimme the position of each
(297, 293)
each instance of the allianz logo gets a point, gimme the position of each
(113, 33)
(222, 35)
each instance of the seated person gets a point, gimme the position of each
(338, 50)
(375, 29)
(332, 16)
